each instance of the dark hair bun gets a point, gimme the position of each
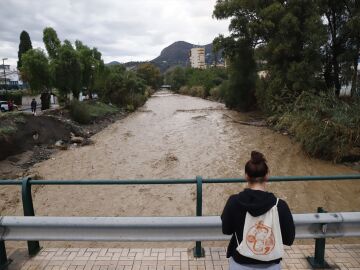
(257, 157)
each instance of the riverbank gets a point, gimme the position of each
(26, 139)
(326, 126)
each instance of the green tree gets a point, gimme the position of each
(100, 76)
(113, 90)
(334, 12)
(238, 48)
(207, 78)
(67, 70)
(52, 42)
(135, 87)
(294, 35)
(352, 45)
(290, 35)
(176, 78)
(353, 25)
(150, 74)
(35, 70)
(24, 46)
(240, 91)
(91, 62)
(123, 88)
(341, 51)
(96, 68)
(87, 65)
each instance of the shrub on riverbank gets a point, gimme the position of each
(215, 93)
(195, 82)
(124, 89)
(326, 127)
(195, 91)
(85, 112)
(9, 122)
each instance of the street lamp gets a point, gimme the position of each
(4, 72)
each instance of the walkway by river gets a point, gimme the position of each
(345, 257)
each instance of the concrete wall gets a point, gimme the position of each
(26, 100)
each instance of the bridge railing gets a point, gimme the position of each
(28, 208)
(159, 229)
(143, 229)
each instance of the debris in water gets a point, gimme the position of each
(199, 116)
(171, 157)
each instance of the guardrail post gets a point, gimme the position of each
(198, 250)
(4, 261)
(318, 261)
(28, 207)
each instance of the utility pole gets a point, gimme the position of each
(4, 73)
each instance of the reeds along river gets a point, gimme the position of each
(174, 136)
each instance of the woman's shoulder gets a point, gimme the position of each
(233, 197)
(283, 206)
(232, 200)
(282, 202)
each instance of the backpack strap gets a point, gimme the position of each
(237, 240)
(277, 201)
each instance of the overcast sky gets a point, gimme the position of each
(123, 30)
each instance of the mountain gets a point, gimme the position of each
(177, 54)
(113, 63)
(128, 65)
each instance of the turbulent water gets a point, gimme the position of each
(175, 136)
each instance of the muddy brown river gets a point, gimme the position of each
(175, 136)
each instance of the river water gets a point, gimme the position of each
(175, 136)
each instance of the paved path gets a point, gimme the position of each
(339, 256)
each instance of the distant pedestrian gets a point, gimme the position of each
(33, 106)
(259, 222)
(11, 105)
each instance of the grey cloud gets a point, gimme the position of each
(121, 30)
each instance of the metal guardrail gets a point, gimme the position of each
(206, 228)
(34, 246)
(154, 229)
(179, 181)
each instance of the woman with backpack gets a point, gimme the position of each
(260, 223)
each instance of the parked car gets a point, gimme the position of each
(4, 107)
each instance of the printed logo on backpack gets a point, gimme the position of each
(262, 238)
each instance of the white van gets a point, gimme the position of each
(4, 106)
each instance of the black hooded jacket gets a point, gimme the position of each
(256, 202)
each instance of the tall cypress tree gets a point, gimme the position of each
(24, 46)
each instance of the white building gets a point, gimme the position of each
(197, 58)
(11, 75)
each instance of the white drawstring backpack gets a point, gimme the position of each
(262, 238)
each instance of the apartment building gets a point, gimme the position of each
(197, 57)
